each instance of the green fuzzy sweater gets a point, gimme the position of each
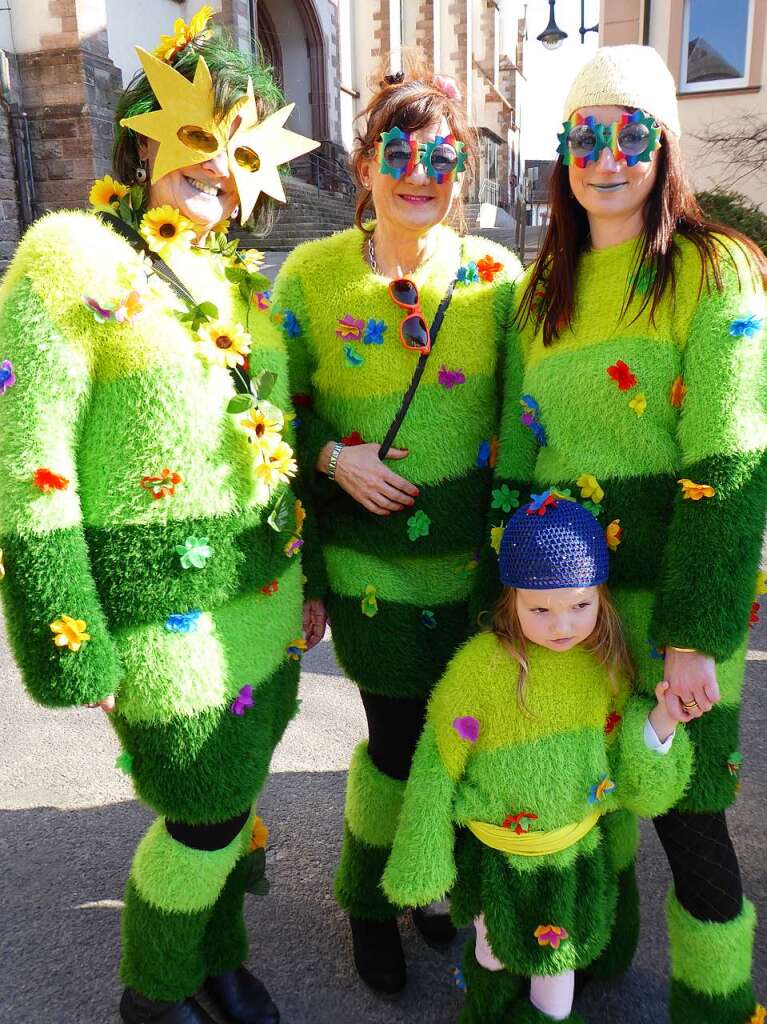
(640, 405)
(545, 760)
(396, 586)
(105, 405)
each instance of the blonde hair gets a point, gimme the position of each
(606, 641)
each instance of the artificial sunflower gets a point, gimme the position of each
(251, 260)
(278, 465)
(184, 34)
(69, 632)
(263, 423)
(695, 491)
(106, 193)
(166, 230)
(224, 343)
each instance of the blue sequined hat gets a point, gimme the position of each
(553, 543)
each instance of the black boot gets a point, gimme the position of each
(436, 928)
(137, 1009)
(378, 954)
(241, 998)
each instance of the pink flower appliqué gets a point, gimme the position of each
(467, 728)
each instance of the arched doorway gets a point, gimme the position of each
(291, 36)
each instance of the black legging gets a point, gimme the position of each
(394, 728)
(207, 837)
(703, 863)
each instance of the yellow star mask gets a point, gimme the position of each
(256, 151)
(185, 126)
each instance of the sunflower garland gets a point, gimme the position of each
(224, 343)
(184, 34)
(165, 230)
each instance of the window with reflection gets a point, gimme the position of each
(716, 44)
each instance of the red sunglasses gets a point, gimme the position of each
(413, 331)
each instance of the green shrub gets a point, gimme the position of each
(736, 211)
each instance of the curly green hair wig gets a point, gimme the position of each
(230, 70)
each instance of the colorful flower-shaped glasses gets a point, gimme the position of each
(398, 153)
(633, 139)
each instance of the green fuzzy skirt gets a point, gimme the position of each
(580, 897)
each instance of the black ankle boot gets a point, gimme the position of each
(378, 954)
(436, 928)
(137, 1009)
(241, 998)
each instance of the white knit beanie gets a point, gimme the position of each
(627, 76)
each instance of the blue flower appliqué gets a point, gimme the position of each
(183, 622)
(746, 327)
(290, 324)
(483, 455)
(530, 418)
(352, 356)
(374, 332)
(468, 274)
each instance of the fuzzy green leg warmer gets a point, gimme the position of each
(373, 803)
(489, 994)
(526, 1013)
(617, 955)
(710, 966)
(225, 945)
(169, 901)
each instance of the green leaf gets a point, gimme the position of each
(257, 882)
(230, 248)
(263, 384)
(208, 309)
(236, 274)
(245, 292)
(240, 403)
(278, 518)
(124, 209)
(137, 198)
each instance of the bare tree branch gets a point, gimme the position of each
(738, 146)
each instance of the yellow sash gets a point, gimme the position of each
(532, 844)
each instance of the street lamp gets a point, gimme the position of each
(552, 36)
(583, 30)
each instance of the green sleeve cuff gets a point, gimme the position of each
(649, 783)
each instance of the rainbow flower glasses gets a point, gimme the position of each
(398, 154)
(632, 139)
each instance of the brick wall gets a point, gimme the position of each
(457, 15)
(10, 221)
(380, 29)
(424, 27)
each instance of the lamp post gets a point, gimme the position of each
(552, 36)
(583, 30)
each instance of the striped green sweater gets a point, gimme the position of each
(483, 758)
(103, 406)
(638, 406)
(396, 586)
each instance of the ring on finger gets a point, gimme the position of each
(690, 705)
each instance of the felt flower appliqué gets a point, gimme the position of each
(352, 356)
(746, 327)
(639, 404)
(242, 701)
(483, 455)
(124, 763)
(106, 193)
(622, 375)
(183, 622)
(678, 391)
(590, 487)
(278, 465)
(593, 508)
(270, 588)
(450, 378)
(468, 274)
(467, 727)
(530, 417)
(760, 587)
(759, 1015)
(428, 619)
(505, 499)
(353, 439)
(418, 525)
(69, 632)
(261, 300)
(7, 376)
(753, 617)
(695, 491)
(488, 268)
(374, 332)
(550, 935)
(496, 536)
(369, 603)
(459, 979)
(612, 721)
(735, 762)
(643, 278)
(48, 481)
(165, 230)
(293, 546)
(520, 821)
(163, 485)
(296, 649)
(350, 328)
(601, 790)
(614, 534)
(222, 343)
(540, 503)
(259, 834)
(194, 552)
(290, 325)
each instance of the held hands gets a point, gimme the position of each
(106, 704)
(315, 621)
(370, 482)
(692, 681)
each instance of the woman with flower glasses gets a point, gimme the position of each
(642, 335)
(147, 524)
(398, 526)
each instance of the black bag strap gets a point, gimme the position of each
(240, 376)
(439, 316)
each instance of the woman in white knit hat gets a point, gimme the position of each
(641, 331)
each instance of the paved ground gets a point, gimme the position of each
(68, 827)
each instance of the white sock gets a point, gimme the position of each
(485, 956)
(552, 994)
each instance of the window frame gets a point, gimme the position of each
(717, 84)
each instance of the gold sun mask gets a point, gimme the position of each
(188, 132)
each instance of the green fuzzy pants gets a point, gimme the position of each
(183, 918)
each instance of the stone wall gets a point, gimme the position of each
(10, 220)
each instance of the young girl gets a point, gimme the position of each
(533, 761)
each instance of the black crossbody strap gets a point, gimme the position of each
(160, 267)
(393, 430)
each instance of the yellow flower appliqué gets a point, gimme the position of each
(759, 1015)
(695, 491)
(278, 465)
(759, 589)
(183, 34)
(590, 488)
(69, 632)
(225, 344)
(639, 404)
(259, 834)
(496, 536)
(166, 230)
(106, 193)
(614, 534)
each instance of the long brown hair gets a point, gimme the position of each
(413, 103)
(606, 641)
(671, 208)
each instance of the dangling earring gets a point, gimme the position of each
(141, 173)
(235, 213)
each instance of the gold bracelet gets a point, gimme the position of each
(682, 650)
